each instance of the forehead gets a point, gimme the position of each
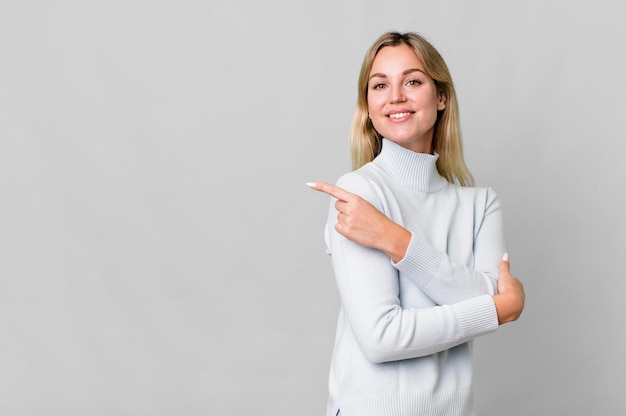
(395, 59)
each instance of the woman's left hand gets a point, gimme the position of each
(361, 222)
(511, 297)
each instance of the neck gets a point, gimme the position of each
(423, 144)
(408, 168)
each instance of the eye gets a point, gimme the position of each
(414, 82)
(378, 86)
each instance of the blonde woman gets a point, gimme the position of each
(417, 251)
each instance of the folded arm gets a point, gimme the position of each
(386, 331)
(439, 277)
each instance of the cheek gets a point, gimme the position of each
(374, 106)
(375, 113)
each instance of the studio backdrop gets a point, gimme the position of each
(160, 253)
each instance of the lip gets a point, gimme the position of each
(399, 115)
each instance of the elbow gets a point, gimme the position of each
(376, 355)
(376, 346)
(379, 341)
(379, 353)
(380, 356)
(387, 341)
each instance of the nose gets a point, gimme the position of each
(397, 95)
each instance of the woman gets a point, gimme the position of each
(415, 249)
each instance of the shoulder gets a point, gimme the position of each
(364, 182)
(476, 192)
(484, 199)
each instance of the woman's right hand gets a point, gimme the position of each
(361, 222)
(511, 297)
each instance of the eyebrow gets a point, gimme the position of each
(405, 72)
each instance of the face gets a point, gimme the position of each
(402, 100)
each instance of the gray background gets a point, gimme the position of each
(160, 253)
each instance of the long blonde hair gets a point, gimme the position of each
(366, 142)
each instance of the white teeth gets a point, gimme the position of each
(398, 115)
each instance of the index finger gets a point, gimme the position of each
(332, 190)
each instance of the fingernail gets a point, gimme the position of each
(311, 184)
(505, 257)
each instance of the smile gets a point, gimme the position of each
(398, 115)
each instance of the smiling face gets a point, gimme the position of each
(402, 100)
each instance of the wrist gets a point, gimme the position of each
(508, 307)
(397, 242)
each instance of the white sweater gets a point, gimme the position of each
(403, 343)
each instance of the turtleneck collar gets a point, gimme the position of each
(410, 169)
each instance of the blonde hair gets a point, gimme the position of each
(366, 142)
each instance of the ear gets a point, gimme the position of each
(441, 103)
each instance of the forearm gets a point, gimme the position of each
(396, 241)
(463, 265)
(443, 279)
(405, 333)
(385, 329)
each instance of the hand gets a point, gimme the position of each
(361, 222)
(511, 297)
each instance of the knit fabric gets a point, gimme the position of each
(403, 342)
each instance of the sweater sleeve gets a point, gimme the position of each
(369, 290)
(445, 281)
